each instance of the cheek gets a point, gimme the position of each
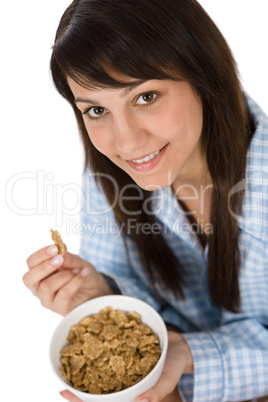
(185, 122)
(172, 124)
(100, 138)
(163, 126)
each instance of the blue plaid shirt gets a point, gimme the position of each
(230, 351)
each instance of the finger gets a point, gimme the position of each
(74, 261)
(67, 292)
(69, 396)
(48, 288)
(163, 388)
(32, 278)
(42, 255)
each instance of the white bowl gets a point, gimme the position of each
(124, 303)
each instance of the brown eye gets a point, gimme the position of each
(147, 97)
(96, 112)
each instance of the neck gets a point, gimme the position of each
(194, 174)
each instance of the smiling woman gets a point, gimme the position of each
(171, 145)
(201, 107)
(152, 130)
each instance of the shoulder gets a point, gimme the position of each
(254, 219)
(258, 148)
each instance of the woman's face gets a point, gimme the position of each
(150, 129)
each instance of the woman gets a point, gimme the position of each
(174, 190)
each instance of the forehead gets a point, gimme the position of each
(82, 93)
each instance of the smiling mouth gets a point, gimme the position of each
(148, 157)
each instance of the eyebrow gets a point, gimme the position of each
(124, 93)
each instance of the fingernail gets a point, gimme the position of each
(144, 400)
(76, 271)
(57, 260)
(85, 272)
(52, 250)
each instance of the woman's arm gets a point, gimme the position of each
(230, 363)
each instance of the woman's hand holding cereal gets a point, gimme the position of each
(63, 282)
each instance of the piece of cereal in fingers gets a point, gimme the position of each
(56, 237)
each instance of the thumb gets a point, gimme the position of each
(163, 388)
(70, 396)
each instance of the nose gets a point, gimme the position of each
(129, 133)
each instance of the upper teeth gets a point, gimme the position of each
(147, 158)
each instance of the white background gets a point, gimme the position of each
(40, 141)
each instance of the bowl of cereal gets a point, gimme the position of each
(111, 348)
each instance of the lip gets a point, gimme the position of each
(146, 166)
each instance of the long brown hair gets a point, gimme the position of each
(171, 39)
